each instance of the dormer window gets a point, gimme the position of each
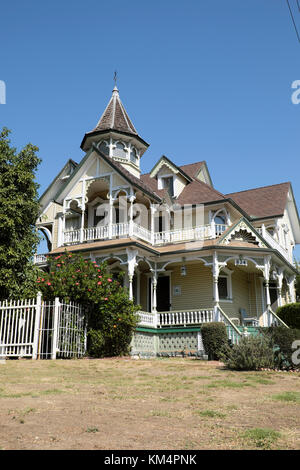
(120, 150)
(104, 148)
(167, 183)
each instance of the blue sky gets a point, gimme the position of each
(201, 80)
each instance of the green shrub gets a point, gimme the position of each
(281, 339)
(95, 343)
(215, 341)
(290, 314)
(252, 353)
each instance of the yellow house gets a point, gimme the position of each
(190, 254)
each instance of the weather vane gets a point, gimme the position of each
(115, 77)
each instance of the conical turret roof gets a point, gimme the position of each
(115, 116)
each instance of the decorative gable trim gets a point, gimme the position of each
(246, 232)
(164, 161)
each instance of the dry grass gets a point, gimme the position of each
(145, 404)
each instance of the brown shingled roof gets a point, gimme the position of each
(263, 202)
(115, 116)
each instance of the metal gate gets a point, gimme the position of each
(42, 330)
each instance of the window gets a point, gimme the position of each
(167, 183)
(120, 151)
(220, 220)
(223, 287)
(103, 147)
(98, 218)
(133, 155)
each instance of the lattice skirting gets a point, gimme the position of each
(160, 343)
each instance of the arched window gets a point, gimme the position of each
(119, 150)
(220, 217)
(103, 147)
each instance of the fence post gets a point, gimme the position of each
(55, 327)
(38, 309)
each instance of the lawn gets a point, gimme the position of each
(146, 404)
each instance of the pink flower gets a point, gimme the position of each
(77, 283)
(48, 283)
(58, 265)
(105, 298)
(100, 277)
(99, 283)
(43, 279)
(109, 280)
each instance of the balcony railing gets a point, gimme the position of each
(274, 243)
(40, 259)
(107, 232)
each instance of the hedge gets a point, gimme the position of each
(290, 314)
(214, 336)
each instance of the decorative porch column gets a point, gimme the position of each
(82, 225)
(152, 227)
(110, 216)
(154, 292)
(216, 298)
(131, 200)
(131, 263)
(279, 286)
(292, 292)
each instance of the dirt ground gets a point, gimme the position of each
(123, 403)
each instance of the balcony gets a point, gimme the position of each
(274, 244)
(125, 230)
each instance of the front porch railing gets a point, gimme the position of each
(273, 319)
(175, 318)
(233, 332)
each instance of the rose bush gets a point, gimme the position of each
(109, 310)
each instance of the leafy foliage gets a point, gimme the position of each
(281, 340)
(214, 336)
(290, 314)
(111, 315)
(18, 213)
(252, 353)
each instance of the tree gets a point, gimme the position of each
(19, 209)
(111, 315)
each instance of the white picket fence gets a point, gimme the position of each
(41, 330)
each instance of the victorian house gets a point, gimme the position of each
(190, 254)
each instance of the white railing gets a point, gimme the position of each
(142, 232)
(204, 232)
(37, 329)
(147, 319)
(273, 319)
(274, 243)
(184, 317)
(71, 236)
(233, 332)
(40, 259)
(120, 230)
(95, 233)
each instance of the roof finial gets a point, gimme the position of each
(115, 80)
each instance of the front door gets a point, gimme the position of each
(163, 294)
